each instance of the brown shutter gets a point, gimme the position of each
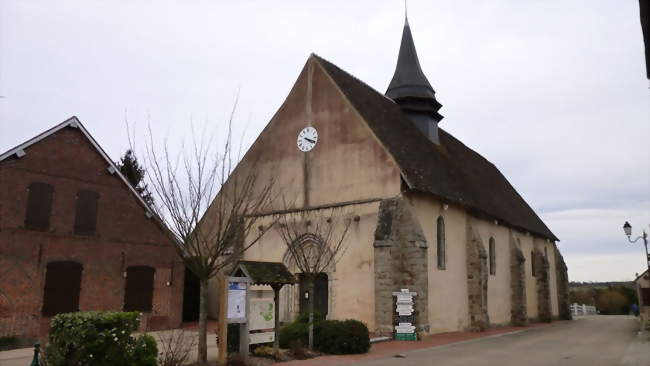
(85, 222)
(138, 294)
(39, 206)
(62, 288)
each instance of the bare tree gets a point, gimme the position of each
(207, 204)
(315, 243)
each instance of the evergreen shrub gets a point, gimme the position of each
(98, 339)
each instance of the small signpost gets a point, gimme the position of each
(404, 328)
(257, 315)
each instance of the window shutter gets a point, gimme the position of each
(39, 206)
(85, 222)
(62, 288)
(138, 293)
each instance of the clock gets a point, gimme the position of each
(307, 139)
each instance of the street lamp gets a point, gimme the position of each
(627, 228)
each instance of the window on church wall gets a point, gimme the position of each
(492, 257)
(645, 296)
(546, 252)
(62, 288)
(532, 263)
(39, 206)
(85, 222)
(138, 291)
(440, 244)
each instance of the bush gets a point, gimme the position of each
(7, 343)
(330, 336)
(98, 338)
(342, 337)
(298, 330)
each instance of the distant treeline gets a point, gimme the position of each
(608, 297)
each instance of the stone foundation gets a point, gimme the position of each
(477, 282)
(401, 261)
(518, 312)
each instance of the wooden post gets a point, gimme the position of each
(223, 323)
(243, 329)
(276, 326)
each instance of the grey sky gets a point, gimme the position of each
(554, 93)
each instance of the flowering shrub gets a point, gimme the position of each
(98, 338)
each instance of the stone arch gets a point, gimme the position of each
(290, 295)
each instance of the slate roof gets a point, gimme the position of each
(267, 273)
(450, 171)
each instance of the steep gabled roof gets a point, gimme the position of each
(450, 171)
(74, 122)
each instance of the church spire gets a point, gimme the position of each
(410, 88)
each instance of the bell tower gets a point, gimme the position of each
(411, 90)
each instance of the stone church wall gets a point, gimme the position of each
(519, 313)
(562, 287)
(542, 277)
(477, 282)
(400, 262)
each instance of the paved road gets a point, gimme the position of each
(598, 340)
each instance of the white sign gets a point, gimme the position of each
(266, 337)
(236, 300)
(262, 314)
(405, 328)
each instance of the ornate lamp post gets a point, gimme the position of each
(628, 231)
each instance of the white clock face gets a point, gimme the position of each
(307, 139)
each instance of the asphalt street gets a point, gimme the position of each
(598, 340)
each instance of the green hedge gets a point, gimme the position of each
(330, 336)
(342, 337)
(98, 339)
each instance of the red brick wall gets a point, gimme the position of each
(124, 237)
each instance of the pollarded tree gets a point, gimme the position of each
(315, 243)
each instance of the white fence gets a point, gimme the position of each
(582, 309)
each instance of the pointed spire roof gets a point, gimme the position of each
(409, 80)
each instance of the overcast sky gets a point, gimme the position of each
(552, 92)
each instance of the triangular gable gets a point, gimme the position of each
(19, 151)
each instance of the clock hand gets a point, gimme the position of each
(310, 140)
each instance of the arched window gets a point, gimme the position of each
(138, 294)
(440, 244)
(532, 263)
(493, 258)
(62, 288)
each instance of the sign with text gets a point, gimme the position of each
(237, 300)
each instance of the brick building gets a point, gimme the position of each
(75, 236)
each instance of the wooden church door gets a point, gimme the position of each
(320, 294)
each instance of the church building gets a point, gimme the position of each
(427, 212)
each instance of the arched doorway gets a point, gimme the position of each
(62, 288)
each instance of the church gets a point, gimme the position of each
(426, 212)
